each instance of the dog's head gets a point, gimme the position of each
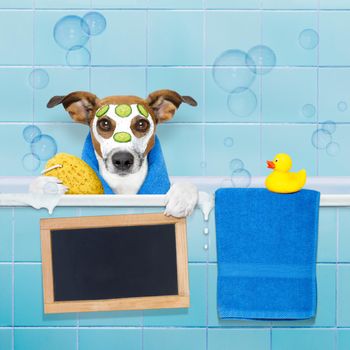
(122, 127)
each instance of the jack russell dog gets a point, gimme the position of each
(123, 132)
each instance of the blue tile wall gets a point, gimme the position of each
(28, 310)
(58, 84)
(180, 79)
(295, 71)
(296, 88)
(16, 35)
(110, 339)
(223, 31)
(224, 143)
(243, 339)
(6, 339)
(6, 295)
(287, 73)
(195, 315)
(303, 339)
(334, 24)
(286, 40)
(343, 339)
(6, 236)
(327, 236)
(175, 38)
(233, 5)
(343, 296)
(20, 4)
(344, 235)
(126, 31)
(186, 339)
(290, 5)
(38, 339)
(21, 306)
(16, 86)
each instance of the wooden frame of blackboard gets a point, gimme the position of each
(181, 300)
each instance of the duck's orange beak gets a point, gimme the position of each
(270, 164)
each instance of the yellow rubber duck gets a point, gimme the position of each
(281, 180)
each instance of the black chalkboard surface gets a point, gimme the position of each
(114, 263)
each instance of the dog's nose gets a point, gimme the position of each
(123, 160)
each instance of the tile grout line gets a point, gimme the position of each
(252, 328)
(337, 279)
(13, 279)
(174, 9)
(261, 123)
(33, 69)
(204, 165)
(33, 61)
(203, 120)
(170, 66)
(318, 86)
(337, 270)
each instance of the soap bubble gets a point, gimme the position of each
(308, 39)
(309, 110)
(96, 23)
(228, 142)
(30, 132)
(333, 149)
(78, 57)
(342, 106)
(38, 78)
(236, 164)
(263, 57)
(230, 70)
(71, 31)
(44, 147)
(242, 102)
(329, 126)
(51, 188)
(203, 164)
(30, 162)
(241, 178)
(321, 138)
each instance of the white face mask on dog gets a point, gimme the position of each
(129, 130)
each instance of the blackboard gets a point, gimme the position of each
(114, 263)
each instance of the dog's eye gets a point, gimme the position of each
(142, 125)
(104, 124)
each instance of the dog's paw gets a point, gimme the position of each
(47, 185)
(181, 200)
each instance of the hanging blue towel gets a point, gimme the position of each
(266, 244)
(157, 179)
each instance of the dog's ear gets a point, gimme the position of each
(165, 103)
(79, 104)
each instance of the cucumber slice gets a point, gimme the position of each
(142, 110)
(102, 111)
(123, 110)
(122, 137)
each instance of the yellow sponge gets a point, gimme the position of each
(74, 174)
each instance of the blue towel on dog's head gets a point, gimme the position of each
(266, 246)
(157, 179)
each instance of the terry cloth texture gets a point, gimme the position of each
(266, 244)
